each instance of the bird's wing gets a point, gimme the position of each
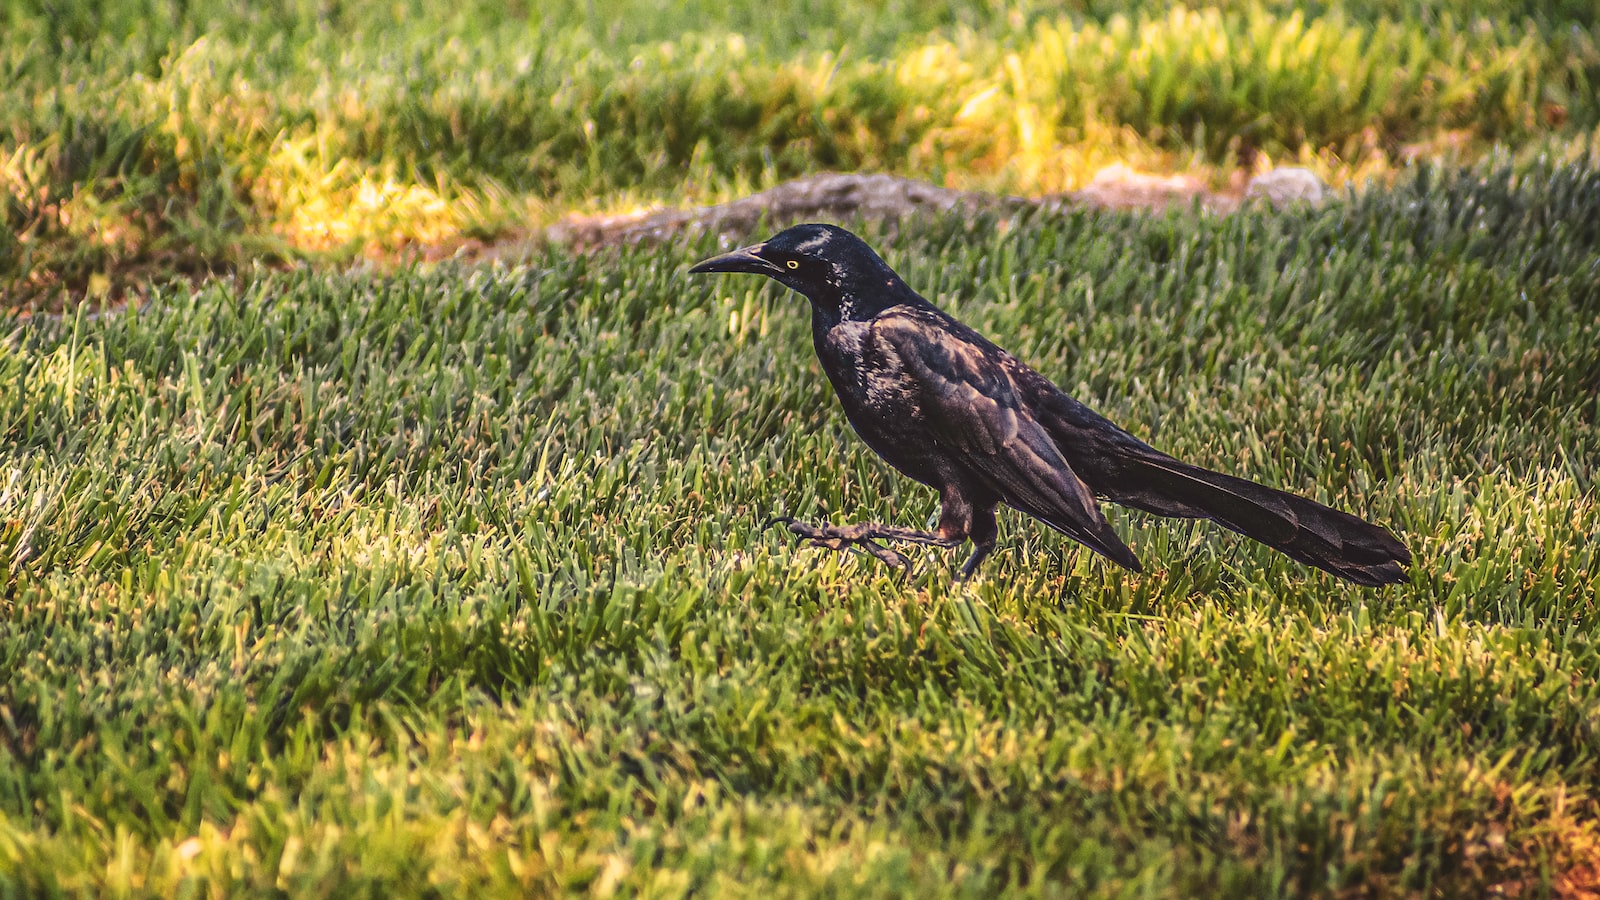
(977, 417)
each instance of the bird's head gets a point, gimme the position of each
(830, 266)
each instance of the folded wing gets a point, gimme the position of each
(973, 411)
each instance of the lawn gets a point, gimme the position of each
(451, 579)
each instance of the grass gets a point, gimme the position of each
(155, 138)
(447, 580)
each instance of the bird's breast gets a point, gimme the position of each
(879, 398)
(869, 378)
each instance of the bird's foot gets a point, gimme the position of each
(864, 536)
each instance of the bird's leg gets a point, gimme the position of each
(980, 525)
(979, 554)
(864, 535)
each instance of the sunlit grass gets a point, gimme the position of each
(321, 204)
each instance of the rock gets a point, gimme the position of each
(829, 197)
(1291, 184)
(836, 197)
(1119, 187)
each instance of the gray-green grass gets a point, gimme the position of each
(448, 581)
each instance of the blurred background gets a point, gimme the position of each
(147, 138)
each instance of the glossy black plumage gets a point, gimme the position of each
(948, 408)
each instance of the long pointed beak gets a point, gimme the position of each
(743, 259)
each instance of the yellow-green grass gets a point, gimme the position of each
(151, 139)
(447, 581)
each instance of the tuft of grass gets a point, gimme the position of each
(450, 580)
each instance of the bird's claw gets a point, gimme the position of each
(882, 553)
(839, 539)
(786, 521)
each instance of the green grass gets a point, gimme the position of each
(143, 139)
(451, 580)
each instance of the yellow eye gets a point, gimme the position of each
(793, 264)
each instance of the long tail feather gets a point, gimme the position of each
(1128, 471)
(1302, 529)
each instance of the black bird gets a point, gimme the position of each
(950, 409)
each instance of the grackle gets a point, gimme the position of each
(953, 411)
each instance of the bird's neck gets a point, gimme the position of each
(862, 302)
